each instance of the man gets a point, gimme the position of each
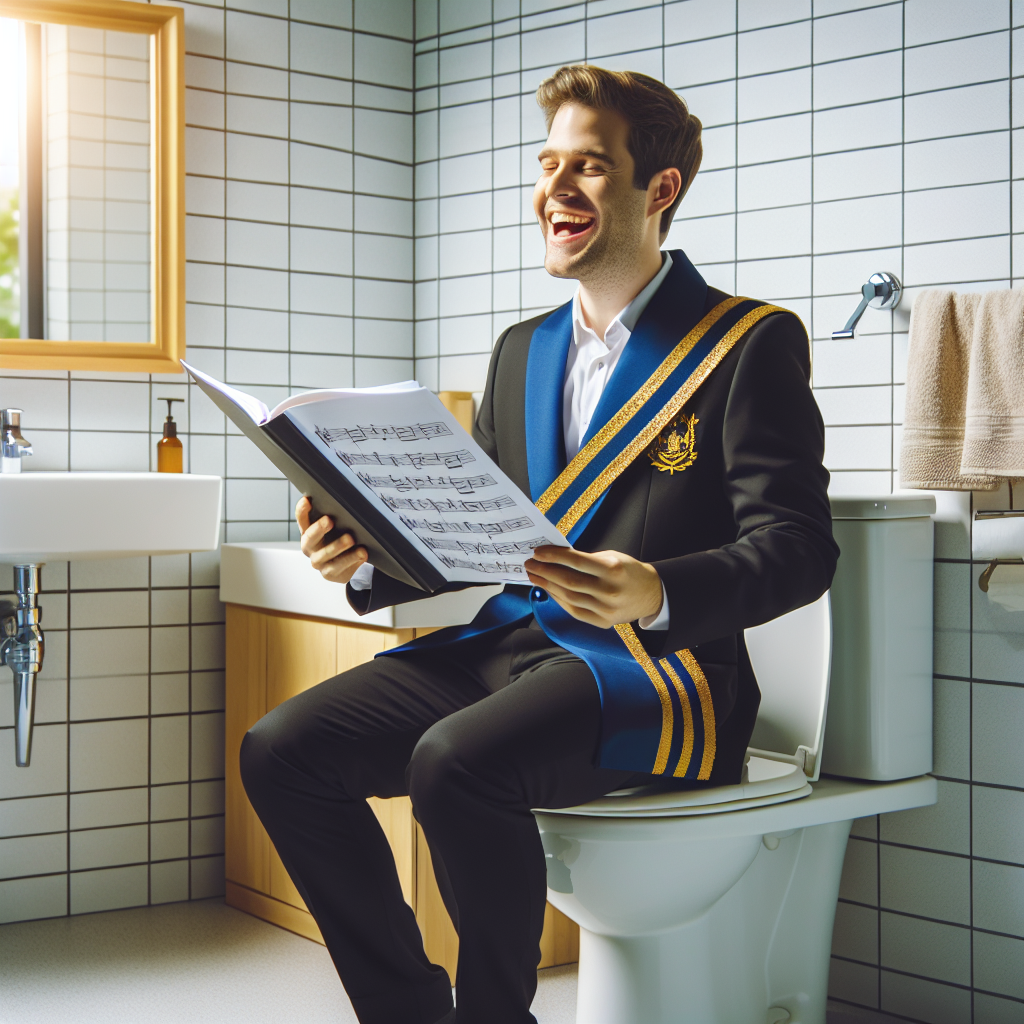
(671, 433)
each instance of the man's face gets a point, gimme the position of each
(591, 216)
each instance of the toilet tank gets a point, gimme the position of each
(879, 722)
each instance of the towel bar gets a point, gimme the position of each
(882, 291)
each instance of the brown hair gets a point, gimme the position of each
(662, 131)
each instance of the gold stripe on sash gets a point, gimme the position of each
(707, 711)
(615, 424)
(654, 427)
(630, 639)
(684, 699)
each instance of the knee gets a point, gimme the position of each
(442, 772)
(273, 749)
(433, 770)
(256, 758)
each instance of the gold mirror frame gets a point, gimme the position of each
(166, 28)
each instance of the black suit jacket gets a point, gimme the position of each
(740, 537)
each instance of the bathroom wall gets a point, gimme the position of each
(299, 160)
(841, 137)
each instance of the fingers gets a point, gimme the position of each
(302, 509)
(314, 535)
(338, 560)
(342, 568)
(602, 618)
(570, 578)
(567, 596)
(328, 552)
(585, 561)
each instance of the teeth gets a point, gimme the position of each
(569, 218)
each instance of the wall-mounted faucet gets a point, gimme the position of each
(882, 291)
(13, 447)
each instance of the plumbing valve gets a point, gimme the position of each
(21, 649)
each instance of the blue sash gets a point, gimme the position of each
(656, 716)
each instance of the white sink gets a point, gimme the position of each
(55, 517)
(276, 575)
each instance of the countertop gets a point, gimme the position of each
(277, 576)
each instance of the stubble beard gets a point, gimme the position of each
(608, 260)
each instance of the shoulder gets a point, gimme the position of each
(778, 334)
(513, 345)
(522, 332)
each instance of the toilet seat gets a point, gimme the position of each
(764, 782)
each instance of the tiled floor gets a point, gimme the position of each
(187, 963)
(200, 963)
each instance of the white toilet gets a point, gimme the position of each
(716, 906)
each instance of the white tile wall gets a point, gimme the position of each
(291, 143)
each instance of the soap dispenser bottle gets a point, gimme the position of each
(168, 448)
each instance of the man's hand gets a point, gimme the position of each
(604, 588)
(336, 561)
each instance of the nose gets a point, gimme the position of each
(559, 184)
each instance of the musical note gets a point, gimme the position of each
(383, 432)
(494, 568)
(498, 547)
(450, 460)
(448, 526)
(448, 504)
(462, 484)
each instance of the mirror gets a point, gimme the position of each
(91, 186)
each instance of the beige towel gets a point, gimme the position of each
(994, 427)
(938, 357)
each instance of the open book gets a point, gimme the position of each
(392, 466)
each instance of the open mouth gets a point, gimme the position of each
(567, 227)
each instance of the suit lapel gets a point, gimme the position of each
(674, 309)
(545, 371)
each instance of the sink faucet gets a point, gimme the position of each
(13, 447)
(21, 649)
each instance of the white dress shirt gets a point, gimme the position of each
(588, 368)
(591, 361)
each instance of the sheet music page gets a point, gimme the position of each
(408, 454)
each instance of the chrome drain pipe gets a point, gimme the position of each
(21, 649)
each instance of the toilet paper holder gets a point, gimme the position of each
(997, 537)
(985, 578)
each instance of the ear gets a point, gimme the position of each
(662, 191)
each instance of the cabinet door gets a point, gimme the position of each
(300, 654)
(246, 845)
(395, 817)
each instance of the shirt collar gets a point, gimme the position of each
(627, 318)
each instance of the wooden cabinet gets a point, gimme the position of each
(271, 656)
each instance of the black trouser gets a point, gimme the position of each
(476, 734)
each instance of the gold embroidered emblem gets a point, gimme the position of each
(673, 451)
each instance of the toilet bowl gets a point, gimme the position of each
(716, 906)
